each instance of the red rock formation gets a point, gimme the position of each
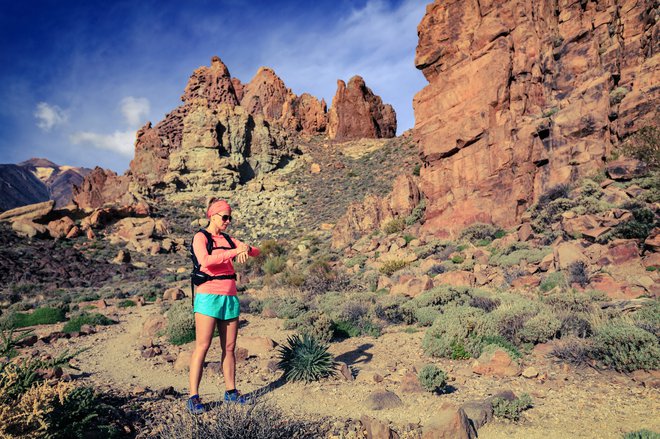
(238, 88)
(357, 113)
(100, 187)
(211, 83)
(525, 95)
(266, 95)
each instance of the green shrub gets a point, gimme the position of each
(314, 323)
(481, 232)
(180, 323)
(304, 358)
(417, 169)
(425, 316)
(512, 410)
(565, 301)
(575, 325)
(547, 214)
(78, 321)
(575, 351)
(457, 259)
(509, 258)
(274, 264)
(648, 317)
(456, 326)
(499, 342)
(392, 266)
(642, 434)
(644, 145)
(417, 214)
(509, 318)
(432, 378)
(639, 227)
(394, 226)
(126, 303)
(626, 347)
(358, 260)
(617, 95)
(10, 338)
(553, 280)
(540, 328)
(389, 308)
(40, 316)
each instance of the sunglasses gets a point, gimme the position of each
(225, 217)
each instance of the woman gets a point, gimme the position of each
(215, 302)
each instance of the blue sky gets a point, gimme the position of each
(78, 78)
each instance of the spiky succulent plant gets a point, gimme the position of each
(305, 358)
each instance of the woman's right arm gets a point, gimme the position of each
(206, 260)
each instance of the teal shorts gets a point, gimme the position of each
(218, 306)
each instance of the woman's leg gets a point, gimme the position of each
(228, 330)
(204, 326)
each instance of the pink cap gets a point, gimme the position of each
(217, 207)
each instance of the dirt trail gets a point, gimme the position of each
(571, 404)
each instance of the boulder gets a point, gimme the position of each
(496, 363)
(411, 287)
(27, 213)
(410, 383)
(182, 362)
(567, 253)
(173, 293)
(383, 399)
(622, 251)
(123, 257)
(153, 325)
(60, 228)
(626, 169)
(29, 229)
(256, 345)
(478, 412)
(377, 429)
(449, 422)
(653, 240)
(455, 278)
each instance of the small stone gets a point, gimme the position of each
(378, 378)
(383, 399)
(530, 372)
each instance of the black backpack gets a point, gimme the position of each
(198, 277)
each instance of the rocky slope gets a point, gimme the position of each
(523, 96)
(20, 187)
(36, 180)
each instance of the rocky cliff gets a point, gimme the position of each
(20, 187)
(525, 95)
(59, 180)
(227, 132)
(357, 113)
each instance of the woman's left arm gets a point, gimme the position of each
(252, 251)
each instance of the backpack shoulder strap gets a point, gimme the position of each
(232, 245)
(209, 240)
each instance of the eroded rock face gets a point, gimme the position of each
(102, 186)
(526, 95)
(213, 84)
(357, 113)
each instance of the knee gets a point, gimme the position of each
(202, 346)
(229, 348)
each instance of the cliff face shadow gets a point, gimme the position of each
(357, 355)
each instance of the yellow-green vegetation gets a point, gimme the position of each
(515, 253)
(626, 347)
(78, 321)
(274, 264)
(432, 378)
(127, 303)
(512, 410)
(617, 95)
(40, 316)
(394, 226)
(481, 234)
(10, 337)
(33, 407)
(180, 323)
(392, 266)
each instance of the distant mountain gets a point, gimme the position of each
(36, 180)
(19, 187)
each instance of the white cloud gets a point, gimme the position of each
(49, 116)
(119, 141)
(135, 110)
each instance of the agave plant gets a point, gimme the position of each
(305, 358)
